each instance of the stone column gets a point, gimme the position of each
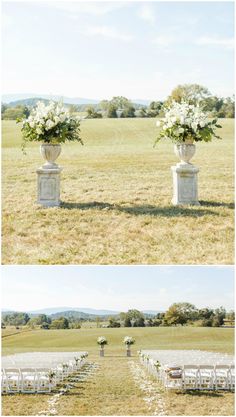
(102, 352)
(49, 186)
(128, 351)
(185, 184)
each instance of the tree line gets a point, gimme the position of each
(120, 106)
(178, 314)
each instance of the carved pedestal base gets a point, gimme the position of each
(49, 186)
(102, 353)
(185, 184)
(128, 352)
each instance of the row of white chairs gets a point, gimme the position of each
(192, 376)
(38, 379)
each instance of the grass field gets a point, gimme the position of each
(116, 193)
(119, 385)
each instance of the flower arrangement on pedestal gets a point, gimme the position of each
(51, 125)
(128, 341)
(185, 124)
(102, 341)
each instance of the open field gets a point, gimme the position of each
(119, 385)
(116, 192)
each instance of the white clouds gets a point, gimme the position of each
(164, 40)
(107, 32)
(147, 14)
(211, 41)
(75, 8)
(7, 20)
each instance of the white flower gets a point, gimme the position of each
(49, 124)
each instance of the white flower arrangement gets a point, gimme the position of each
(102, 341)
(50, 123)
(128, 341)
(184, 122)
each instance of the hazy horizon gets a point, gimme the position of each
(116, 288)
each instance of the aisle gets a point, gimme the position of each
(115, 386)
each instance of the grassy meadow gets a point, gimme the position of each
(119, 385)
(116, 193)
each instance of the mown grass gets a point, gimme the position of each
(213, 339)
(116, 193)
(112, 390)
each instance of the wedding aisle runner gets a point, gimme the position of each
(109, 387)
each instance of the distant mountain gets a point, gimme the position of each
(11, 99)
(31, 99)
(62, 310)
(141, 101)
(152, 312)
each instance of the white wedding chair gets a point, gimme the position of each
(206, 377)
(232, 377)
(222, 377)
(28, 380)
(13, 380)
(44, 384)
(190, 376)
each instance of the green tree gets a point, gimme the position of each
(127, 322)
(13, 113)
(113, 322)
(111, 111)
(61, 323)
(45, 326)
(180, 313)
(191, 93)
(139, 322)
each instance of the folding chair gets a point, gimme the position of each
(222, 379)
(44, 382)
(28, 380)
(232, 377)
(190, 377)
(206, 377)
(13, 380)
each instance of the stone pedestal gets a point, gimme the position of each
(185, 184)
(102, 353)
(128, 352)
(49, 186)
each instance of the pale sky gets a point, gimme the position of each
(141, 50)
(116, 287)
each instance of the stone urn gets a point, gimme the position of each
(50, 152)
(185, 151)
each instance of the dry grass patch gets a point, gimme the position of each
(116, 193)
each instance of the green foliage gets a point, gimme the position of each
(92, 114)
(50, 124)
(127, 322)
(61, 323)
(113, 322)
(13, 113)
(190, 93)
(16, 319)
(180, 313)
(111, 111)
